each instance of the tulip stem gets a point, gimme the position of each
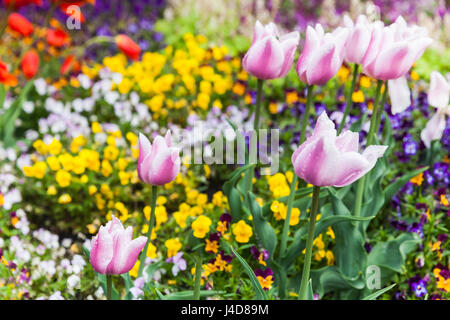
(307, 113)
(151, 222)
(381, 109)
(309, 244)
(198, 277)
(370, 136)
(293, 186)
(248, 178)
(349, 100)
(109, 287)
(258, 104)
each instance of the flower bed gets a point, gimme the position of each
(99, 148)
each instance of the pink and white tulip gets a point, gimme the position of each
(270, 56)
(394, 49)
(322, 55)
(113, 249)
(325, 159)
(438, 97)
(159, 163)
(359, 38)
(391, 53)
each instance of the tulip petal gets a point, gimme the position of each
(391, 56)
(264, 59)
(289, 47)
(258, 32)
(348, 141)
(346, 168)
(438, 94)
(102, 250)
(320, 68)
(168, 138)
(377, 30)
(134, 249)
(433, 129)
(357, 167)
(311, 43)
(145, 148)
(357, 44)
(399, 94)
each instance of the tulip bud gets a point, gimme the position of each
(30, 64)
(270, 57)
(325, 159)
(69, 64)
(20, 24)
(16, 4)
(159, 163)
(5, 76)
(113, 249)
(57, 38)
(322, 55)
(130, 48)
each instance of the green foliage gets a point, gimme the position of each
(433, 60)
(259, 292)
(8, 119)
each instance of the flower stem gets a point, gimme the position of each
(151, 222)
(109, 287)
(349, 101)
(381, 109)
(309, 244)
(370, 136)
(307, 113)
(293, 186)
(248, 178)
(258, 104)
(198, 277)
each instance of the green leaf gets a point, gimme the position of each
(2, 95)
(188, 294)
(391, 255)
(8, 119)
(233, 194)
(310, 294)
(378, 293)
(330, 278)
(299, 242)
(160, 295)
(236, 174)
(264, 232)
(350, 254)
(259, 291)
(235, 202)
(128, 285)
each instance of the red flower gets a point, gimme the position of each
(20, 3)
(6, 77)
(69, 64)
(30, 64)
(78, 3)
(57, 38)
(20, 24)
(65, 6)
(128, 46)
